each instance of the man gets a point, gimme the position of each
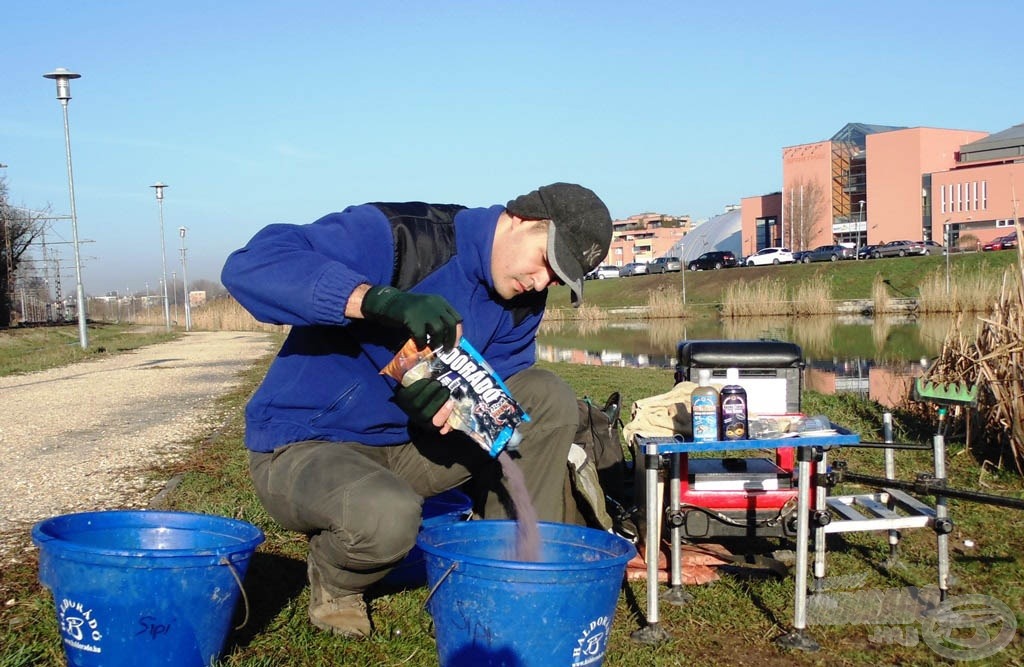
(347, 456)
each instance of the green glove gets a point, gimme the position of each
(421, 400)
(429, 318)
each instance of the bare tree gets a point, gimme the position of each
(803, 206)
(18, 229)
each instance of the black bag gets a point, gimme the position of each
(599, 436)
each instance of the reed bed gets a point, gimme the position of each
(971, 292)
(880, 298)
(665, 302)
(994, 361)
(813, 298)
(762, 297)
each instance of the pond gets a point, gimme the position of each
(875, 358)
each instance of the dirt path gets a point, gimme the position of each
(78, 438)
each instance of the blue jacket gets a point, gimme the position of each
(324, 383)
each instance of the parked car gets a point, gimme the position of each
(933, 248)
(799, 256)
(633, 269)
(828, 253)
(771, 256)
(664, 265)
(603, 271)
(717, 259)
(866, 251)
(898, 249)
(1002, 243)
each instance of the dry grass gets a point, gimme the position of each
(762, 297)
(880, 295)
(666, 302)
(994, 361)
(813, 298)
(968, 292)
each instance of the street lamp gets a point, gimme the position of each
(63, 78)
(184, 280)
(859, 223)
(174, 291)
(159, 187)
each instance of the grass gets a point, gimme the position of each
(36, 349)
(732, 621)
(705, 290)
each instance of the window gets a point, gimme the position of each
(974, 195)
(984, 195)
(942, 196)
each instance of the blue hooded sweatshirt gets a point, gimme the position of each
(325, 382)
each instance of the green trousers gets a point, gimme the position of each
(361, 505)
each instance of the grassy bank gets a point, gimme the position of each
(732, 621)
(36, 349)
(904, 277)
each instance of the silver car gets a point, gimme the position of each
(898, 249)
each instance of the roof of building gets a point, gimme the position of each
(854, 133)
(1008, 143)
(722, 232)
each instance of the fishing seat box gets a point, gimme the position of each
(743, 497)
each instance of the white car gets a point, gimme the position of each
(771, 256)
(604, 271)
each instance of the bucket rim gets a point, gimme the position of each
(245, 535)
(610, 539)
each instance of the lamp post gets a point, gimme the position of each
(159, 187)
(174, 291)
(184, 280)
(63, 78)
(860, 222)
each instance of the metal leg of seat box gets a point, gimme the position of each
(652, 633)
(675, 593)
(798, 638)
(890, 473)
(943, 525)
(820, 497)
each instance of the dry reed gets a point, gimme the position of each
(971, 292)
(813, 298)
(665, 302)
(995, 362)
(880, 298)
(762, 297)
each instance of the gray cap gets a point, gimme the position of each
(580, 233)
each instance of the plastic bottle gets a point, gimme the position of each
(733, 404)
(704, 408)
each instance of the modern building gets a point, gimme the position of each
(870, 184)
(645, 237)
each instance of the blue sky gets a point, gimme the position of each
(262, 112)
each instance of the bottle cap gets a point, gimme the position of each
(704, 376)
(732, 375)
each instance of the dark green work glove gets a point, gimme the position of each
(429, 318)
(421, 400)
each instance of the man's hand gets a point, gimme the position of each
(428, 318)
(425, 401)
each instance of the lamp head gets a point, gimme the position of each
(63, 77)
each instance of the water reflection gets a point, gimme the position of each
(876, 358)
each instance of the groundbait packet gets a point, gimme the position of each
(484, 407)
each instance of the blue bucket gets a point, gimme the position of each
(447, 507)
(490, 609)
(144, 587)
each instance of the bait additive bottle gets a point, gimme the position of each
(733, 403)
(704, 408)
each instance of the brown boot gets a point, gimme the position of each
(343, 614)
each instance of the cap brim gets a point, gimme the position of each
(565, 266)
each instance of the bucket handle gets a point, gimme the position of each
(238, 580)
(440, 581)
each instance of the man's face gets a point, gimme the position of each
(519, 259)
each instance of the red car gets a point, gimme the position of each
(1002, 242)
